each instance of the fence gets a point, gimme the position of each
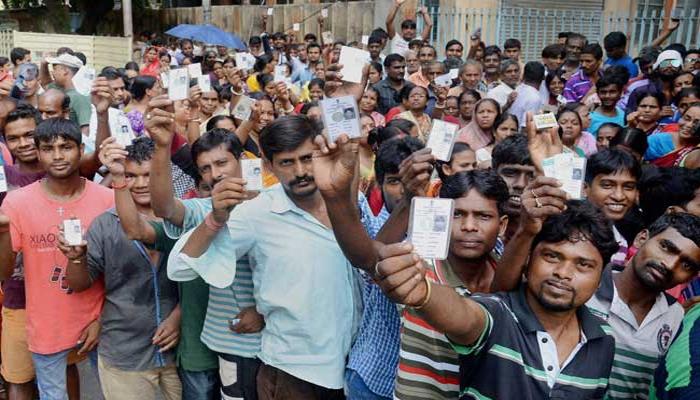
(347, 20)
(100, 51)
(536, 28)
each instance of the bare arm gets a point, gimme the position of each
(428, 23)
(77, 275)
(665, 33)
(44, 74)
(101, 99)
(390, 18)
(7, 256)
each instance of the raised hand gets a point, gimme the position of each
(542, 198)
(159, 120)
(6, 87)
(415, 173)
(71, 252)
(400, 274)
(227, 194)
(336, 87)
(112, 156)
(542, 144)
(101, 94)
(335, 165)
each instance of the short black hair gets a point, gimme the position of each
(554, 50)
(661, 188)
(264, 79)
(211, 124)
(468, 92)
(17, 54)
(51, 129)
(566, 34)
(183, 41)
(533, 72)
(254, 40)
(408, 24)
(392, 58)
(391, 153)
(580, 218)
(111, 73)
(312, 45)
(610, 161)
(486, 182)
(685, 92)
(574, 35)
(374, 39)
(214, 138)
(286, 134)
(452, 43)
(308, 106)
(512, 44)
(405, 92)
(686, 224)
(593, 49)
(81, 56)
(310, 36)
(140, 150)
(261, 62)
(64, 50)
(131, 65)
(317, 82)
(491, 50)
(612, 125)
(634, 138)
(380, 32)
(609, 79)
(559, 73)
(511, 150)
(23, 111)
(615, 40)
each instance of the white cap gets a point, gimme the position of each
(66, 59)
(668, 55)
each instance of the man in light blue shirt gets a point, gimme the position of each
(304, 65)
(304, 287)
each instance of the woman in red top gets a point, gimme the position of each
(686, 140)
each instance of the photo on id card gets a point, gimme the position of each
(251, 171)
(430, 226)
(341, 116)
(178, 84)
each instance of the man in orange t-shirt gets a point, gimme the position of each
(33, 216)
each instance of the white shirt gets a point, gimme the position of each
(528, 100)
(500, 93)
(399, 45)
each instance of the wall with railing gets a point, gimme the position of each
(536, 28)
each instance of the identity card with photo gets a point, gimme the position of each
(429, 227)
(83, 79)
(251, 171)
(204, 83)
(243, 108)
(442, 139)
(281, 73)
(72, 231)
(120, 127)
(327, 37)
(245, 61)
(178, 84)
(341, 116)
(545, 121)
(569, 170)
(353, 61)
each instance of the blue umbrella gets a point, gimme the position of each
(208, 34)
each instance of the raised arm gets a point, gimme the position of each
(160, 126)
(401, 275)
(390, 18)
(665, 33)
(427, 23)
(101, 99)
(135, 226)
(7, 256)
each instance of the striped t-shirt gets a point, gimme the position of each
(224, 304)
(428, 365)
(638, 347)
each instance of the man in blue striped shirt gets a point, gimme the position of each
(579, 86)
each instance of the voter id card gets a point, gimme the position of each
(243, 108)
(178, 84)
(430, 225)
(441, 139)
(72, 232)
(83, 79)
(251, 171)
(545, 121)
(341, 116)
(569, 170)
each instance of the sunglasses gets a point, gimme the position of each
(670, 63)
(692, 60)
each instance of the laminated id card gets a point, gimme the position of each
(544, 121)
(430, 226)
(73, 232)
(178, 84)
(568, 169)
(442, 139)
(82, 80)
(251, 171)
(243, 108)
(341, 115)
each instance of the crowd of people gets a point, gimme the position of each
(188, 286)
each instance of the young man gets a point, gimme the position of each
(611, 185)
(615, 44)
(120, 96)
(533, 343)
(454, 48)
(141, 317)
(19, 56)
(389, 87)
(528, 97)
(303, 355)
(399, 43)
(226, 346)
(580, 84)
(609, 89)
(373, 359)
(553, 57)
(65, 67)
(492, 66)
(510, 77)
(62, 195)
(374, 46)
(511, 161)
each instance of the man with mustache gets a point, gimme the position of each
(305, 288)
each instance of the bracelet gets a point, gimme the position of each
(438, 105)
(119, 187)
(76, 261)
(210, 223)
(236, 93)
(427, 295)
